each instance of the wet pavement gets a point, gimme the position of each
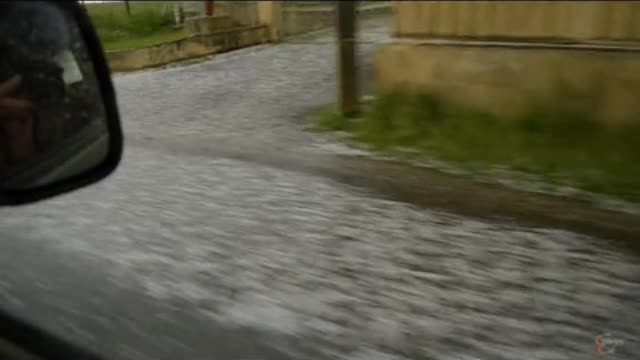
(194, 252)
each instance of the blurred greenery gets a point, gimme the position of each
(311, 4)
(563, 147)
(150, 23)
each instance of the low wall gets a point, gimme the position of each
(303, 20)
(191, 47)
(300, 21)
(507, 79)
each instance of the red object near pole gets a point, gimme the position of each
(209, 8)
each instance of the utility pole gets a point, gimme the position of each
(347, 74)
(208, 8)
(178, 13)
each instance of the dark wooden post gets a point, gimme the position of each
(127, 6)
(347, 74)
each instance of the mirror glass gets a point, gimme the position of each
(52, 117)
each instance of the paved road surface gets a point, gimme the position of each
(187, 254)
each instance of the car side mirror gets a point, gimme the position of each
(59, 123)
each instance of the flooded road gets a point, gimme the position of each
(187, 253)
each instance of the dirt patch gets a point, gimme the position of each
(433, 189)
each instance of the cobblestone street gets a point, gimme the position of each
(198, 255)
(254, 97)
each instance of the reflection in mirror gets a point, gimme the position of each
(52, 118)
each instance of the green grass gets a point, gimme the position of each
(331, 120)
(145, 41)
(562, 147)
(150, 23)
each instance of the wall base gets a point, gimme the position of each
(509, 80)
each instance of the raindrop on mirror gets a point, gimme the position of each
(52, 116)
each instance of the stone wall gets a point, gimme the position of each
(303, 20)
(191, 47)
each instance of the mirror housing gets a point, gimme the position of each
(59, 123)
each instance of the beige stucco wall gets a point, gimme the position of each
(502, 56)
(195, 46)
(507, 81)
(574, 20)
